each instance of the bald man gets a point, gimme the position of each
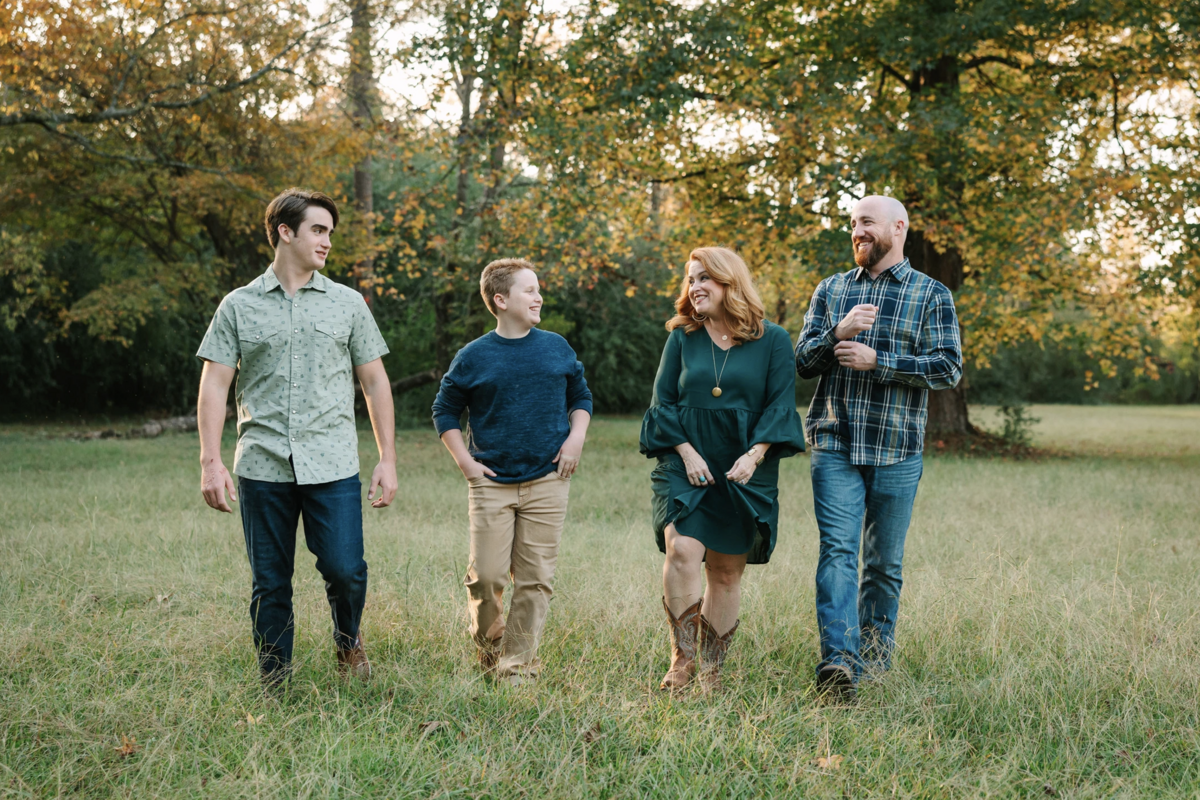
(878, 338)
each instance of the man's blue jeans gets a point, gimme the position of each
(333, 531)
(871, 507)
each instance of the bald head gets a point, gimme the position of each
(878, 226)
(882, 206)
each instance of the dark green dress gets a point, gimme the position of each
(757, 404)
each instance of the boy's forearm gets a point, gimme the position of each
(580, 420)
(458, 448)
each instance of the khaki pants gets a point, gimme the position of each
(515, 531)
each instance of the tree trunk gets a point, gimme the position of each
(938, 80)
(948, 407)
(362, 95)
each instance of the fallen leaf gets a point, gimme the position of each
(830, 762)
(593, 733)
(127, 747)
(1123, 755)
(1050, 790)
(162, 598)
(253, 720)
(427, 728)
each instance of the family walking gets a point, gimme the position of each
(877, 337)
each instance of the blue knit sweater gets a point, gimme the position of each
(519, 395)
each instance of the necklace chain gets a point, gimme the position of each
(714, 358)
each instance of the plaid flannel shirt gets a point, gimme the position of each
(879, 416)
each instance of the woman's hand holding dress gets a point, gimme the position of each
(743, 469)
(694, 463)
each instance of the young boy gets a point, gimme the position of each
(297, 341)
(528, 409)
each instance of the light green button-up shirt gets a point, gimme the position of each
(295, 387)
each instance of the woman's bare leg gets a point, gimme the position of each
(681, 571)
(723, 596)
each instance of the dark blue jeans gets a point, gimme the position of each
(333, 531)
(867, 507)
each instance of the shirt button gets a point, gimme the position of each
(257, 337)
(293, 438)
(295, 356)
(293, 386)
(297, 330)
(293, 411)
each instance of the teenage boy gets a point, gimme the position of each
(297, 340)
(878, 338)
(528, 409)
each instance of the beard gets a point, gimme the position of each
(869, 258)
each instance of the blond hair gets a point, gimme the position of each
(497, 278)
(743, 307)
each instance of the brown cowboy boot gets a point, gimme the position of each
(684, 629)
(353, 661)
(713, 649)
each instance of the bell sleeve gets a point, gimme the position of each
(661, 429)
(779, 423)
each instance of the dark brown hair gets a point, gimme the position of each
(290, 207)
(497, 278)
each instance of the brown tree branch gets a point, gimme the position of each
(109, 114)
(979, 61)
(401, 385)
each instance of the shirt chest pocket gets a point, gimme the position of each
(332, 344)
(260, 348)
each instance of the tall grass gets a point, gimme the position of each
(1049, 639)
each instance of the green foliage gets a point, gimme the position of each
(1063, 373)
(1045, 153)
(1018, 425)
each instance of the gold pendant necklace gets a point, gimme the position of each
(716, 392)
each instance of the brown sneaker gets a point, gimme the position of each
(713, 649)
(684, 631)
(353, 662)
(489, 655)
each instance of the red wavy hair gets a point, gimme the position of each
(743, 307)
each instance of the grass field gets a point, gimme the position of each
(1049, 638)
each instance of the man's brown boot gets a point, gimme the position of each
(353, 662)
(684, 630)
(713, 649)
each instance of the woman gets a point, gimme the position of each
(722, 415)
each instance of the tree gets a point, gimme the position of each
(1026, 139)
